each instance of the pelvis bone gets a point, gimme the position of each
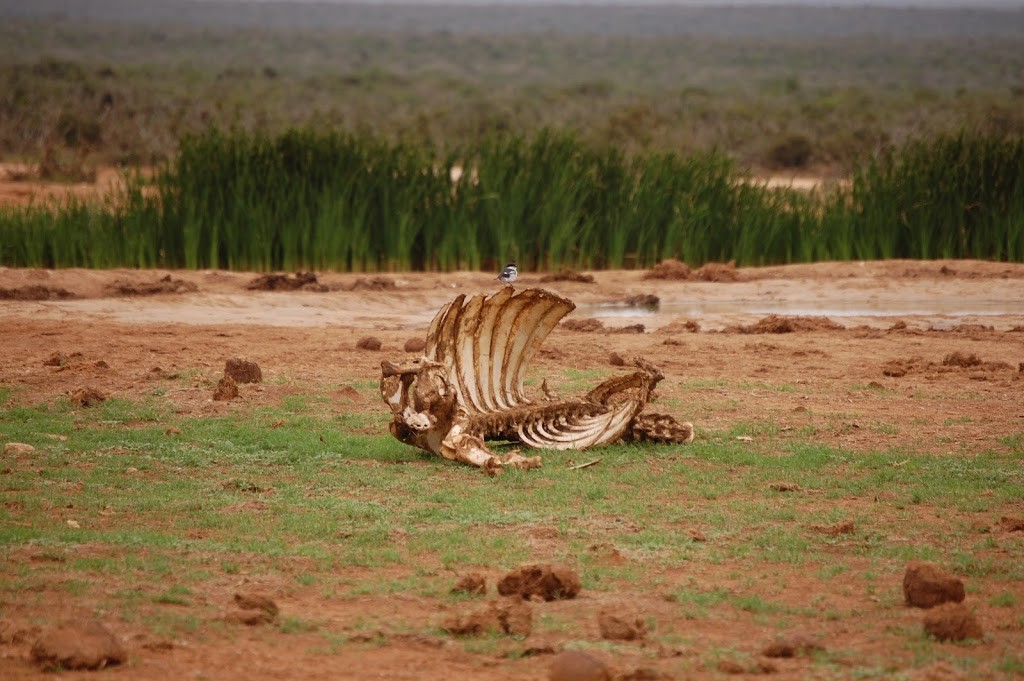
(468, 388)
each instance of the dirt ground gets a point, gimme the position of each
(862, 343)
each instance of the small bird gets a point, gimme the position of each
(509, 274)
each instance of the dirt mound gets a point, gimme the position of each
(588, 325)
(35, 292)
(57, 359)
(305, 281)
(687, 326)
(78, 645)
(546, 582)
(243, 371)
(1009, 524)
(474, 584)
(716, 271)
(568, 275)
(575, 665)
(959, 359)
(844, 527)
(509, 616)
(926, 585)
(415, 345)
(782, 324)
(954, 361)
(87, 397)
(670, 269)
(166, 284)
(616, 360)
(226, 389)
(616, 626)
(952, 622)
(369, 343)
(632, 328)
(371, 284)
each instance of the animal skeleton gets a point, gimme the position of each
(468, 387)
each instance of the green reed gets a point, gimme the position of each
(346, 202)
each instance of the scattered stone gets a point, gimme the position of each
(568, 275)
(510, 616)
(369, 343)
(306, 281)
(87, 397)
(588, 325)
(226, 389)
(669, 269)
(616, 360)
(575, 665)
(415, 345)
(57, 359)
(926, 585)
(546, 582)
(78, 645)
(844, 527)
(952, 622)
(18, 449)
(243, 371)
(474, 584)
(621, 627)
(791, 645)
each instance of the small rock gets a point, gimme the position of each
(369, 343)
(620, 627)
(78, 645)
(226, 389)
(243, 371)
(926, 585)
(18, 449)
(574, 665)
(415, 345)
(87, 397)
(952, 622)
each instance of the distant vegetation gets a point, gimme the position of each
(332, 201)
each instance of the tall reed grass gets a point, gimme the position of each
(344, 202)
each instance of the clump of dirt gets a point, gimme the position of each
(57, 359)
(670, 269)
(716, 271)
(898, 326)
(415, 345)
(568, 275)
(959, 359)
(688, 326)
(226, 389)
(18, 449)
(509, 616)
(952, 622)
(78, 645)
(844, 527)
(575, 665)
(799, 643)
(898, 368)
(371, 284)
(369, 343)
(305, 281)
(616, 626)
(588, 325)
(632, 328)
(646, 301)
(35, 292)
(1011, 524)
(473, 583)
(606, 554)
(166, 284)
(616, 360)
(782, 324)
(926, 585)
(253, 609)
(87, 397)
(547, 582)
(243, 371)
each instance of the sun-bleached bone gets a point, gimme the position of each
(468, 387)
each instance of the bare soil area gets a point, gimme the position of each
(866, 356)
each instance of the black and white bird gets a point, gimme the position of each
(509, 274)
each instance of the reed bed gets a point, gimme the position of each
(344, 202)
